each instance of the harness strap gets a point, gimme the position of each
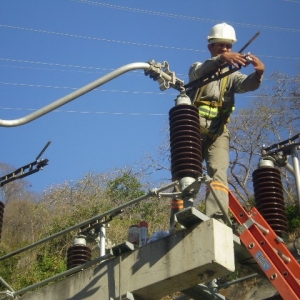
(200, 104)
(218, 103)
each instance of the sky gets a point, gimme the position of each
(51, 48)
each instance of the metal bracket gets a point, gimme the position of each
(190, 191)
(26, 170)
(285, 147)
(277, 159)
(250, 222)
(127, 296)
(122, 248)
(190, 216)
(201, 291)
(93, 228)
(8, 293)
(245, 226)
(157, 72)
(193, 189)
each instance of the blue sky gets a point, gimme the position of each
(50, 48)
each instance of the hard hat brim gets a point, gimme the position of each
(220, 40)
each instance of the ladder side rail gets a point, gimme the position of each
(277, 244)
(278, 280)
(283, 268)
(242, 217)
(285, 280)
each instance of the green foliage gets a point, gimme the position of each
(124, 188)
(49, 264)
(239, 272)
(38, 268)
(63, 206)
(7, 266)
(293, 217)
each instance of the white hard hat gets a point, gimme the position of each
(222, 33)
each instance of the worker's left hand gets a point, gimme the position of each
(257, 64)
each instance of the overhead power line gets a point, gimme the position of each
(97, 38)
(75, 88)
(168, 15)
(111, 91)
(243, 114)
(292, 1)
(55, 64)
(118, 91)
(124, 42)
(87, 112)
(135, 72)
(95, 69)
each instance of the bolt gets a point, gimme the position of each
(251, 245)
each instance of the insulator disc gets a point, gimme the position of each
(184, 153)
(78, 255)
(185, 142)
(268, 191)
(1, 217)
(185, 109)
(183, 137)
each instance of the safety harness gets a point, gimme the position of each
(213, 109)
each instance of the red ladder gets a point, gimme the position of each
(268, 250)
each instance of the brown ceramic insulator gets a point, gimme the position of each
(1, 217)
(268, 191)
(185, 142)
(78, 255)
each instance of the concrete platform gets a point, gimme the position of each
(174, 263)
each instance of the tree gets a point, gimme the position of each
(15, 189)
(124, 188)
(272, 117)
(65, 205)
(21, 223)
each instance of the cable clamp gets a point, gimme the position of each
(161, 73)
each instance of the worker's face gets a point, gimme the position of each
(219, 48)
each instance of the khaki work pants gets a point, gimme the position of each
(216, 156)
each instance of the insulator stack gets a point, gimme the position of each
(78, 254)
(1, 217)
(185, 142)
(268, 191)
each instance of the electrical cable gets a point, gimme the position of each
(168, 15)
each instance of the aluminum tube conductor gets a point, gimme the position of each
(81, 91)
(102, 235)
(296, 173)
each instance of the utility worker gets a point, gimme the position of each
(215, 102)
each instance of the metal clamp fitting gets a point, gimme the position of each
(162, 74)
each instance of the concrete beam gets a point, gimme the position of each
(174, 263)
